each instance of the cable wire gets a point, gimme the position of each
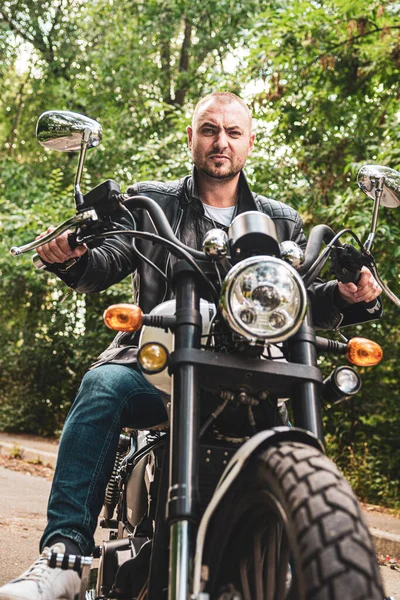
(176, 250)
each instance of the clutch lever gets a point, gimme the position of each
(86, 216)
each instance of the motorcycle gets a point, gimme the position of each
(228, 501)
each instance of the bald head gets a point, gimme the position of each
(220, 98)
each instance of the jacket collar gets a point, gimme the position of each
(246, 197)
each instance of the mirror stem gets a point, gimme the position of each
(386, 289)
(377, 200)
(78, 194)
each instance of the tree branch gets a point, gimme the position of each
(50, 34)
(17, 116)
(165, 57)
(343, 42)
(184, 64)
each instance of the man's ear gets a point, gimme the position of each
(189, 132)
(251, 142)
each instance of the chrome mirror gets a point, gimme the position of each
(382, 184)
(375, 178)
(65, 131)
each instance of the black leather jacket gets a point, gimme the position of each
(102, 267)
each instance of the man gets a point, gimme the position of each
(113, 393)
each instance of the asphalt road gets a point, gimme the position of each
(23, 518)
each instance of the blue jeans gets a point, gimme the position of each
(110, 397)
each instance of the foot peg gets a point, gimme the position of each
(80, 564)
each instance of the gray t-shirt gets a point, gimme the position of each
(219, 215)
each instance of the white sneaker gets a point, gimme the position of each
(41, 582)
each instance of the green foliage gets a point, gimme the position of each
(323, 84)
(327, 102)
(328, 80)
(138, 68)
(16, 452)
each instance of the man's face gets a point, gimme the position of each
(220, 139)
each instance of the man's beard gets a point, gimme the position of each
(215, 174)
(227, 176)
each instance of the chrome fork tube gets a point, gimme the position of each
(180, 559)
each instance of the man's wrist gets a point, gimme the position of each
(70, 266)
(375, 307)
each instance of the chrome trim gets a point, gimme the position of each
(230, 280)
(179, 561)
(377, 180)
(215, 244)
(72, 222)
(292, 254)
(63, 130)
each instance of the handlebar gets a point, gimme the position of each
(318, 235)
(161, 222)
(310, 269)
(156, 213)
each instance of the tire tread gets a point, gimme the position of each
(338, 556)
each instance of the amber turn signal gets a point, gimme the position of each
(123, 317)
(363, 352)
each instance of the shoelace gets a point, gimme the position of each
(38, 572)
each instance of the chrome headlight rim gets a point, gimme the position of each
(229, 314)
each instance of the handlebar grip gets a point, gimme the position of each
(72, 240)
(354, 277)
(37, 262)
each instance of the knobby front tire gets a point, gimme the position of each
(290, 528)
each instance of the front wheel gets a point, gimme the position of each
(290, 528)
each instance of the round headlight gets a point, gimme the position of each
(264, 298)
(152, 357)
(342, 383)
(347, 380)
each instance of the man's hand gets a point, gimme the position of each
(366, 290)
(58, 250)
